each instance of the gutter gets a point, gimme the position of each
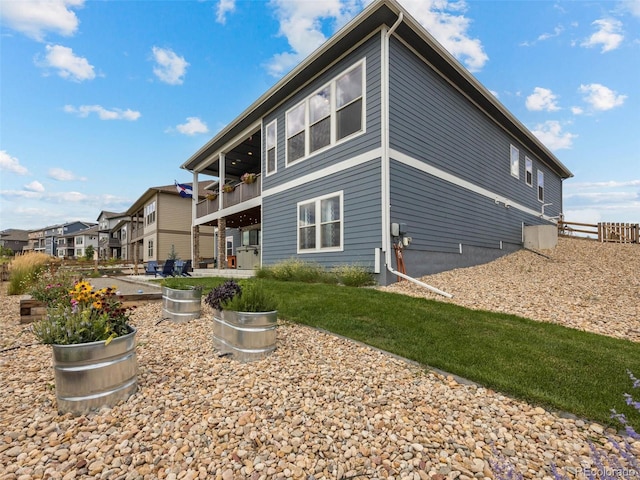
(386, 200)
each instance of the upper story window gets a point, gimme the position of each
(528, 171)
(150, 213)
(79, 241)
(272, 137)
(329, 115)
(541, 186)
(320, 224)
(150, 249)
(515, 162)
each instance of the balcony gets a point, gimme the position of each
(241, 193)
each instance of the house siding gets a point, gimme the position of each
(433, 122)
(370, 139)
(361, 213)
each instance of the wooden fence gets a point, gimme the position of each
(604, 232)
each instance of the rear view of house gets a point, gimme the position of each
(379, 139)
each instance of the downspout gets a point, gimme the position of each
(386, 197)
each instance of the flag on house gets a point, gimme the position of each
(185, 191)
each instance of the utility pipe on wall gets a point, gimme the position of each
(386, 198)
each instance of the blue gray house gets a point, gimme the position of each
(379, 138)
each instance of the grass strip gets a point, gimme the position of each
(542, 363)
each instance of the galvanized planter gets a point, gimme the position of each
(181, 305)
(248, 336)
(93, 375)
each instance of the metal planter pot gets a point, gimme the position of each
(181, 305)
(94, 375)
(248, 336)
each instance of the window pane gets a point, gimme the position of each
(307, 238)
(307, 215)
(295, 147)
(330, 209)
(320, 134)
(320, 105)
(349, 87)
(330, 235)
(515, 162)
(271, 160)
(295, 120)
(271, 135)
(349, 119)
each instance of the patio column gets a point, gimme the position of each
(222, 243)
(195, 262)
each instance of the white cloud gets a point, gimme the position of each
(64, 175)
(608, 35)
(550, 133)
(34, 186)
(83, 111)
(35, 18)
(11, 164)
(450, 29)
(224, 7)
(545, 36)
(601, 97)
(192, 126)
(302, 23)
(170, 67)
(542, 99)
(607, 184)
(577, 110)
(632, 6)
(69, 66)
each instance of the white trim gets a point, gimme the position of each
(528, 163)
(230, 145)
(239, 207)
(441, 174)
(514, 161)
(266, 148)
(317, 201)
(324, 172)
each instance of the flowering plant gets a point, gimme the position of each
(50, 287)
(252, 298)
(227, 188)
(84, 315)
(248, 177)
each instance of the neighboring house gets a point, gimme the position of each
(160, 223)
(379, 138)
(85, 238)
(35, 242)
(55, 232)
(110, 241)
(14, 239)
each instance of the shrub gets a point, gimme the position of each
(51, 287)
(24, 270)
(353, 275)
(250, 298)
(84, 315)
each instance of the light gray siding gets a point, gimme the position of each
(370, 51)
(433, 122)
(362, 218)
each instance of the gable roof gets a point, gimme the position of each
(168, 189)
(373, 17)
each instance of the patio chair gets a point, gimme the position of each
(167, 268)
(152, 268)
(185, 269)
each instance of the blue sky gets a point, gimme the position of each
(100, 100)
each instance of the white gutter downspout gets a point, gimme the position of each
(386, 197)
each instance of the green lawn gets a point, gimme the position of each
(546, 364)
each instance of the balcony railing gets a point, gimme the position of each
(242, 193)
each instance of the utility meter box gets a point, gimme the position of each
(540, 237)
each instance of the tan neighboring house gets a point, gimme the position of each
(160, 224)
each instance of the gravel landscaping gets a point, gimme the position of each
(320, 407)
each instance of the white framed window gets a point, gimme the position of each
(150, 213)
(229, 246)
(541, 186)
(271, 144)
(296, 141)
(320, 224)
(329, 115)
(79, 241)
(528, 164)
(515, 162)
(150, 249)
